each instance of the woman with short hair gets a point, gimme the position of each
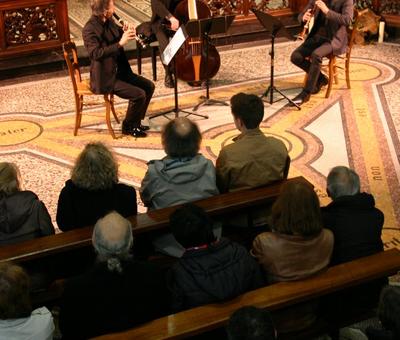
(22, 215)
(17, 319)
(94, 190)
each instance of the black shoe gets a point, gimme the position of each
(322, 81)
(144, 127)
(169, 81)
(301, 98)
(133, 131)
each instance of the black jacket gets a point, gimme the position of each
(101, 301)
(107, 61)
(220, 272)
(356, 225)
(79, 207)
(23, 217)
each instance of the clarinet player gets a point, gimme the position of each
(328, 35)
(110, 71)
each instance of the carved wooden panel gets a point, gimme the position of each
(26, 25)
(221, 7)
(29, 26)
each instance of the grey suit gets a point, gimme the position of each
(328, 35)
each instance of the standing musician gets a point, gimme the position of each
(110, 71)
(162, 12)
(328, 35)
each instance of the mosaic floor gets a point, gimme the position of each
(358, 127)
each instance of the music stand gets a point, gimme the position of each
(273, 25)
(203, 29)
(167, 56)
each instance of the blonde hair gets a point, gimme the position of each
(95, 168)
(9, 178)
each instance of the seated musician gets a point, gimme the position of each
(328, 35)
(162, 13)
(110, 71)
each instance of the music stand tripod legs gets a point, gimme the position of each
(176, 108)
(271, 88)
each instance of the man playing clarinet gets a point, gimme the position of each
(328, 35)
(110, 71)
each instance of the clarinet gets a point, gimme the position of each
(304, 32)
(139, 37)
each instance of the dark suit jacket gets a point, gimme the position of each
(160, 9)
(101, 42)
(339, 18)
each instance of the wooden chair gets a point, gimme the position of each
(333, 66)
(82, 88)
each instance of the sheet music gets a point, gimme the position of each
(174, 45)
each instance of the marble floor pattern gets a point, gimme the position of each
(359, 127)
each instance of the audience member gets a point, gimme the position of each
(93, 190)
(388, 314)
(118, 292)
(253, 159)
(355, 222)
(210, 270)
(22, 215)
(17, 319)
(183, 175)
(298, 246)
(251, 323)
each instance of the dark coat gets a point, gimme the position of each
(78, 207)
(339, 18)
(101, 301)
(107, 60)
(23, 217)
(356, 225)
(220, 272)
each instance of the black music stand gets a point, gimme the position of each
(203, 29)
(273, 25)
(176, 108)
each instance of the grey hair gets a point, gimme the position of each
(9, 182)
(99, 6)
(342, 181)
(112, 239)
(95, 168)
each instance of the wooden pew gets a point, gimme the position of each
(48, 246)
(277, 296)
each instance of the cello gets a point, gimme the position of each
(191, 60)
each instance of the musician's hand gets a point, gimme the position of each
(174, 23)
(322, 6)
(127, 36)
(307, 16)
(126, 26)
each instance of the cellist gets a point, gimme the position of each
(162, 13)
(328, 35)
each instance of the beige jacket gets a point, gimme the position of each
(251, 161)
(288, 257)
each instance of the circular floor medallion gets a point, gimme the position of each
(14, 132)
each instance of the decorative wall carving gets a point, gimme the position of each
(30, 24)
(224, 7)
(390, 7)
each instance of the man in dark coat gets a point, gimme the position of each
(162, 14)
(352, 217)
(328, 35)
(210, 270)
(118, 292)
(110, 71)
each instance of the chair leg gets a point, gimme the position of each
(108, 120)
(347, 69)
(113, 108)
(154, 62)
(78, 113)
(139, 58)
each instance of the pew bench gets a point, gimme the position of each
(74, 240)
(274, 297)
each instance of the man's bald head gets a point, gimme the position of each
(181, 138)
(112, 237)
